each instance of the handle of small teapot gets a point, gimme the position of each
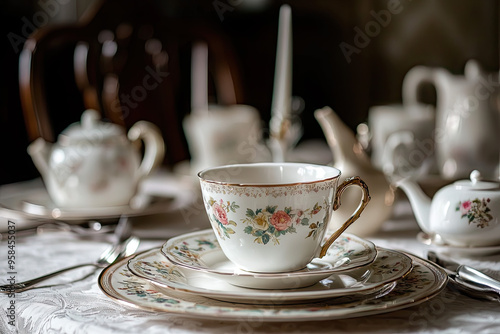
(412, 80)
(351, 181)
(153, 143)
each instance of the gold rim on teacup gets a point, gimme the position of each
(243, 184)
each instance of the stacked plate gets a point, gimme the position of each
(191, 275)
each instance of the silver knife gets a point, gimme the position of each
(467, 279)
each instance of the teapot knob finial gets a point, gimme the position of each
(89, 118)
(475, 176)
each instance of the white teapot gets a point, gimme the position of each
(94, 164)
(465, 213)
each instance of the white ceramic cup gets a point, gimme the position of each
(223, 135)
(272, 217)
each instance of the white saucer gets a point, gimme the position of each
(201, 251)
(40, 204)
(370, 280)
(424, 282)
(456, 250)
(159, 194)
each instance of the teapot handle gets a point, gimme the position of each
(154, 146)
(412, 80)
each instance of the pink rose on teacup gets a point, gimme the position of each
(281, 220)
(220, 213)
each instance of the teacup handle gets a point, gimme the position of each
(352, 181)
(153, 143)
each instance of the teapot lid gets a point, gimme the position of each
(91, 128)
(476, 183)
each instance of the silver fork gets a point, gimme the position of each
(109, 256)
(88, 229)
(124, 245)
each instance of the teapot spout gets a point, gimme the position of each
(341, 139)
(420, 203)
(39, 151)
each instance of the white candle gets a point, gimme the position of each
(282, 91)
(199, 78)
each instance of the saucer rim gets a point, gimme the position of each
(260, 296)
(425, 239)
(206, 308)
(249, 274)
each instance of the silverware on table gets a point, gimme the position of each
(89, 229)
(468, 280)
(124, 245)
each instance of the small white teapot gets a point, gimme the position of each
(93, 163)
(465, 213)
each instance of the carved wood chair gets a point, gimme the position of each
(126, 60)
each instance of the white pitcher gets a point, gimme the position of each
(467, 134)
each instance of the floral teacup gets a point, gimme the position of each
(272, 217)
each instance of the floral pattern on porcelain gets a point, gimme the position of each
(422, 283)
(132, 287)
(388, 267)
(192, 253)
(385, 266)
(268, 223)
(340, 249)
(219, 218)
(161, 269)
(476, 211)
(419, 279)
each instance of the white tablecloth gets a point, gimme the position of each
(79, 306)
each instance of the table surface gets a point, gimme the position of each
(74, 303)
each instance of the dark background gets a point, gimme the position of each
(428, 32)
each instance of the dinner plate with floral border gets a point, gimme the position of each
(368, 280)
(201, 251)
(116, 281)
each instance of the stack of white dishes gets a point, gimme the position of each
(191, 275)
